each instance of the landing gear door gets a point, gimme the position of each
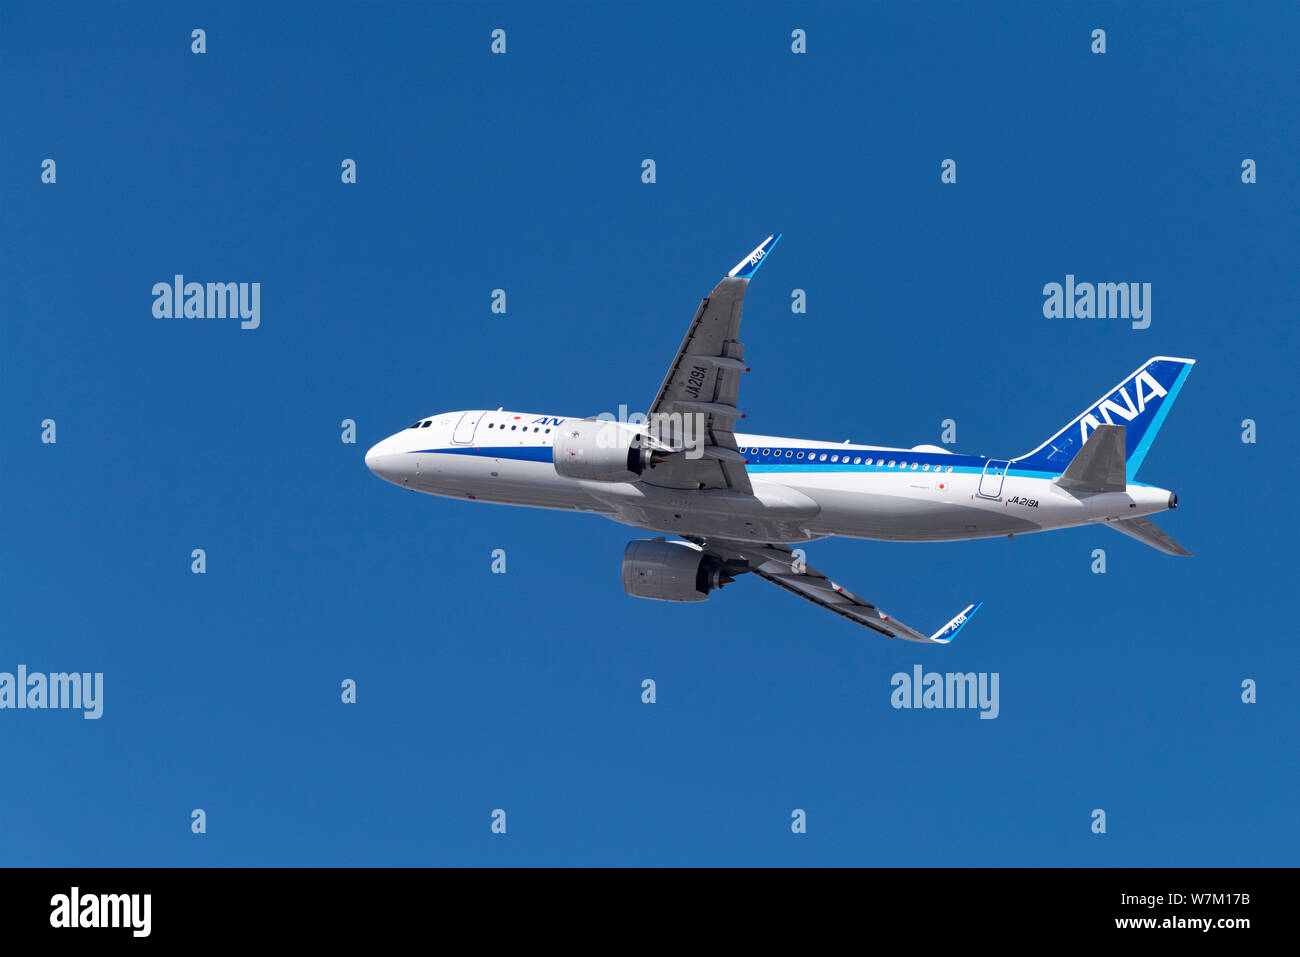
(991, 481)
(464, 434)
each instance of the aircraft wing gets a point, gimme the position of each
(695, 411)
(778, 565)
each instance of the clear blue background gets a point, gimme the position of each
(479, 691)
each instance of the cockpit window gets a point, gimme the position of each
(427, 423)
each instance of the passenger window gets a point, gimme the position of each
(913, 466)
(925, 467)
(766, 451)
(836, 458)
(891, 463)
(799, 456)
(823, 457)
(857, 460)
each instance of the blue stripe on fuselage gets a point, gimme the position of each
(760, 464)
(521, 453)
(757, 462)
(811, 465)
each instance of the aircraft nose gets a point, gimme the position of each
(384, 462)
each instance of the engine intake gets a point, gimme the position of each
(671, 571)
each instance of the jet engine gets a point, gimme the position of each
(671, 571)
(603, 450)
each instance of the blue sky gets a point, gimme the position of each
(522, 691)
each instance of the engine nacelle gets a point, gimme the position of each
(671, 571)
(601, 450)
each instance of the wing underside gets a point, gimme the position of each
(694, 413)
(779, 565)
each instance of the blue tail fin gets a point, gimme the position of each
(1140, 403)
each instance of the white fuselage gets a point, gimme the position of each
(803, 489)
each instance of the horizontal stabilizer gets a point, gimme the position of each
(1148, 533)
(1099, 466)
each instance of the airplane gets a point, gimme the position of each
(737, 502)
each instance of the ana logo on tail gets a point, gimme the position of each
(1128, 411)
